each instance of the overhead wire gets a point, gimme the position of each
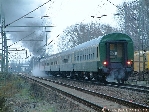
(41, 6)
(46, 42)
(24, 17)
(22, 39)
(27, 13)
(43, 39)
(135, 1)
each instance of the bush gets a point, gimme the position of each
(3, 107)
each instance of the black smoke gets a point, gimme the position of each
(33, 38)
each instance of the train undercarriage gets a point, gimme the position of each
(115, 75)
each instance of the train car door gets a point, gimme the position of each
(116, 54)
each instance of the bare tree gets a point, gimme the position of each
(136, 20)
(79, 33)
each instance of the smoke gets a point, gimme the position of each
(116, 74)
(38, 73)
(33, 38)
(14, 9)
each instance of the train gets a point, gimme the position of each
(110, 55)
(141, 64)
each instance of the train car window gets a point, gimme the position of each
(112, 46)
(112, 51)
(89, 56)
(47, 64)
(119, 50)
(85, 57)
(80, 53)
(65, 60)
(97, 52)
(145, 58)
(51, 63)
(77, 58)
(116, 52)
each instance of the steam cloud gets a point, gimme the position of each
(38, 73)
(116, 74)
(14, 9)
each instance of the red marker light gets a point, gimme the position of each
(128, 62)
(105, 63)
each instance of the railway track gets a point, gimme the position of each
(138, 88)
(132, 93)
(47, 84)
(121, 101)
(138, 95)
(94, 105)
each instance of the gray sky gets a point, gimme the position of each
(15, 9)
(62, 13)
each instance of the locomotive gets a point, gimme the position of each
(97, 59)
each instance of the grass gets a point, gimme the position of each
(11, 86)
(15, 88)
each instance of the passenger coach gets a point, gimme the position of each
(96, 59)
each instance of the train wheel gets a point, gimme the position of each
(118, 80)
(122, 81)
(72, 75)
(87, 77)
(104, 79)
(76, 76)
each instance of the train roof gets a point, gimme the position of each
(105, 38)
(116, 36)
(95, 42)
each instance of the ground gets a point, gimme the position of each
(21, 95)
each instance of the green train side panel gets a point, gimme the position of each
(115, 37)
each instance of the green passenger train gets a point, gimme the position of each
(107, 56)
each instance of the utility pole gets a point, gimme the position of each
(3, 50)
(4, 59)
(4, 47)
(140, 32)
(142, 37)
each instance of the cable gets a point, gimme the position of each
(112, 3)
(22, 39)
(48, 43)
(27, 14)
(122, 7)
